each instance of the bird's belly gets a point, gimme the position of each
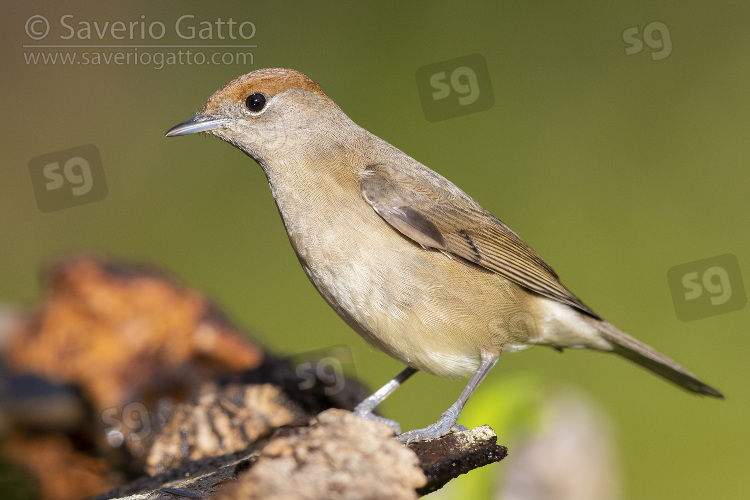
(421, 307)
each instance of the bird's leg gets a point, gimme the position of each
(447, 422)
(365, 408)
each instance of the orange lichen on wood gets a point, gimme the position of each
(115, 329)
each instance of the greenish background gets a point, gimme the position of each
(613, 167)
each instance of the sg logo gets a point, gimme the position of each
(324, 369)
(327, 371)
(68, 178)
(707, 287)
(76, 171)
(463, 81)
(133, 423)
(715, 282)
(454, 88)
(661, 46)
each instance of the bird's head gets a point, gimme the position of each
(268, 112)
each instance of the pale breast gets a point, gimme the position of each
(419, 306)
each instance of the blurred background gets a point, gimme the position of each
(611, 136)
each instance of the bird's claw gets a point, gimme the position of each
(442, 427)
(368, 415)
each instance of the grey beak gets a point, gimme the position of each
(198, 123)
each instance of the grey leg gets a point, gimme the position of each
(448, 420)
(365, 408)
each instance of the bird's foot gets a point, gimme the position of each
(368, 415)
(445, 425)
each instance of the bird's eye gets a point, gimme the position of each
(255, 102)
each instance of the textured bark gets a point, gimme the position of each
(121, 371)
(339, 456)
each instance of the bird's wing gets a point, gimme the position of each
(436, 214)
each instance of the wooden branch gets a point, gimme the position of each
(337, 456)
(158, 381)
(450, 456)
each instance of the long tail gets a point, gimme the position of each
(651, 359)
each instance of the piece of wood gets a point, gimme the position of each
(338, 456)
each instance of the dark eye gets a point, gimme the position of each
(255, 102)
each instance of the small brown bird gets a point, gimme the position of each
(413, 264)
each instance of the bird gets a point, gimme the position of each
(408, 260)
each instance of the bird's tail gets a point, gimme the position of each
(651, 359)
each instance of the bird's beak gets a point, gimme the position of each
(198, 123)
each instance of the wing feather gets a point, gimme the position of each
(434, 213)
